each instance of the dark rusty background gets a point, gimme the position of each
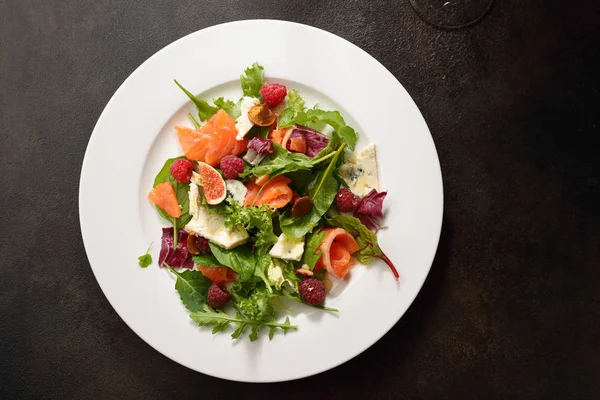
(511, 308)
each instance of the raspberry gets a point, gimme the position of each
(181, 169)
(312, 291)
(273, 94)
(346, 201)
(217, 297)
(232, 166)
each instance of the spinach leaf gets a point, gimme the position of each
(295, 108)
(205, 110)
(369, 249)
(322, 195)
(192, 287)
(206, 260)
(262, 265)
(231, 108)
(311, 252)
(241, 259)
(252, 80)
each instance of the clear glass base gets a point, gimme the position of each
(451, 14)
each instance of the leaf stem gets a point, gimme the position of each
(390, 264)
(328, 170)
(318, 160)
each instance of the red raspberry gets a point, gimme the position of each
(273, 94)
(346, 201)
(312, 291)
(181, 169)
(217, 297)
(232, 166)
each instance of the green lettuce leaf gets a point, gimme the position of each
(231, 108)
(205, 110)
(252, 80)
(241, 259)
(295, 108)
(263, 262)
(192, 287)
(322, 194)
(145, 259)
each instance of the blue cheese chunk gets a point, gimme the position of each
(288, 248)
(236, 190)
(243, 123)
(211, 225)
(360, 171)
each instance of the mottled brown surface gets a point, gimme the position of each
(511, 308)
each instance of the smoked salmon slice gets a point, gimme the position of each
(336, 248)
(276, 193)
(210, 143)
(163, 195)
(218, 274)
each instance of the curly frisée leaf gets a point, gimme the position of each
(252, 80)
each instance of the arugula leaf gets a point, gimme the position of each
(295, 107)
(182, 193)
(205, 110)
(282, 162)
(369, 249)
(311, 252)
(219, 320)
(145, 259)
(206, 260)
(333, 118)
(240, 259)
(192, 287)
(322, 195)
(231, 108)
(252, 80)
(259, 219)
(193, 121)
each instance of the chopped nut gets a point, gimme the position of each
(302, 206)
(260, 115)
(304, 271)
(192, 245)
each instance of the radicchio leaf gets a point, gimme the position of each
(262, 146)
(370, 210)
(315, 141)
(176, 258)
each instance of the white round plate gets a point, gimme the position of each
(135, 135)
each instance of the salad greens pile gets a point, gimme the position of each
(264, 276)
